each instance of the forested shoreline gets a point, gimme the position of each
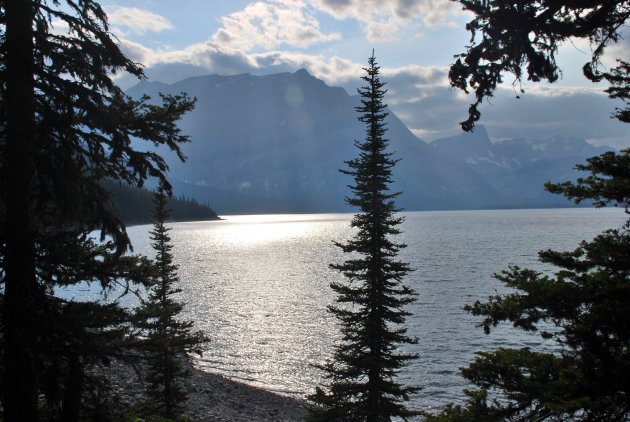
(133, 205)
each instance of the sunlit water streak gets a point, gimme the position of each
(258, 286)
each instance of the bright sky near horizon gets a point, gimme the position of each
(414, 42)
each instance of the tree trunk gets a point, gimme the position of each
(73, 390)
(20, 310)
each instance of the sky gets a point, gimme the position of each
(414, 41)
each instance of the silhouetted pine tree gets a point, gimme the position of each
(582, 307)
(497, 46)
(362, 373)
(168, 340)
(64, 127)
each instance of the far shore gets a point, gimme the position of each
(147, 223)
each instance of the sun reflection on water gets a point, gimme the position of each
(259, 286)
(257, 229)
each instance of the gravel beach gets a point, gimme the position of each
(213, 397)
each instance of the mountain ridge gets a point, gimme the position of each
(274, 143)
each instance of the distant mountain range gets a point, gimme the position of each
(517, 169)
(274, 144)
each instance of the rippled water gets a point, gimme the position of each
(259, 286)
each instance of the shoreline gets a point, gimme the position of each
(212, 397)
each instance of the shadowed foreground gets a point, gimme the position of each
(214, 398)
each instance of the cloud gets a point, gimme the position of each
(333, 70)
(412, 83)
(575, 52)
(216, 58)
(419, 95)
(382, 20)
(545, 111)
(127, 20)
(210, 56)
(618, 50)
(271, 24)
(60, 27)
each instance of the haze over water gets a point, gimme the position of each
(259, 286)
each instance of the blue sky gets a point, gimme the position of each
(414, 41)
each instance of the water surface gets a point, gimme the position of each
(258, 286)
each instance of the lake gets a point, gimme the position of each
(258, 286)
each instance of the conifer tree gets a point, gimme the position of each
(523, 38)
(583, 308)
(64, 127)
(362, 373)
(168, 341)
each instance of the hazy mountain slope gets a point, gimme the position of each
(274, 143)
(519, 168)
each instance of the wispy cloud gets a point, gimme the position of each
(270, 25)
(382, 20)
(216, 58)
(210, 56)
(131, 20)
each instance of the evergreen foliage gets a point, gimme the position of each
(362, 373)
(609, 181)
(523, 38)
(168, 341)
(133, 205)
(64, 127)
(583, 308)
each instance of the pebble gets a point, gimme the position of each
(212, 397)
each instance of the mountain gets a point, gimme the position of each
(275, 143)
(519, 168)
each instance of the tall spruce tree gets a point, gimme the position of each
(169, 341)
(583, 308)
(362, 373)
(65, 126)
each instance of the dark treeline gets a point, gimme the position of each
(65, 126)
(134, 205)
